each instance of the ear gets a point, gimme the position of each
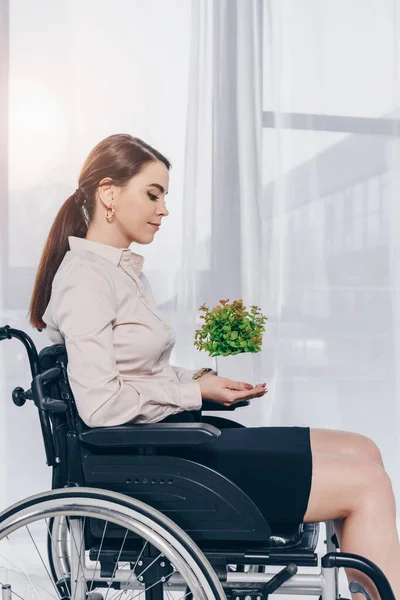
(106, 191)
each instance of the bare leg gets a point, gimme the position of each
(360, 493)
(344, 443)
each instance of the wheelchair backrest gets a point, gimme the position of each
(65, 426)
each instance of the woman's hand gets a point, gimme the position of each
(226, 391)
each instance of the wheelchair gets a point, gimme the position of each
(124, 520)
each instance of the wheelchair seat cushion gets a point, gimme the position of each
(272, 465)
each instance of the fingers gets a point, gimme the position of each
(257, 392)
(259, 395)
(241, 385)
(234, 396)
(238, 385)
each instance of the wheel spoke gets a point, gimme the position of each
(42, 561)
(170, 596)
(148, 566)
(98, 556)
(24, 570)
(185, 596)
(116, 563)
(151, 586)
(139, 557)
(132, 574)
(81, 550)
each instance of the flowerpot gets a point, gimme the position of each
(239, 367)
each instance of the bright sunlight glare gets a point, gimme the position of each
(38, 132)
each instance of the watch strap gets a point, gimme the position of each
(200, 373)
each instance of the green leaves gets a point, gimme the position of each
(230, 329)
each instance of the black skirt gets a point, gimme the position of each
(272, 465)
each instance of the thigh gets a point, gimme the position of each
(272, 465)
(339, 484)
(344, 443)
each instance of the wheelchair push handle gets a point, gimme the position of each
(19, 396)
(4, 333)
(38, 394)
(42, 401)
(8, 333)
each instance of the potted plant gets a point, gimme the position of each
(231, 334)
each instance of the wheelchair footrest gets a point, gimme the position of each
(269, 588)
(357, 588)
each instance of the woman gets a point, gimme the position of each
(92, 295)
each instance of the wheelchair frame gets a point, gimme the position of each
(241, 551)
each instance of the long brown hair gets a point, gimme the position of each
(119, 157)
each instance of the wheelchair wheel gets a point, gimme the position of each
(78, 543)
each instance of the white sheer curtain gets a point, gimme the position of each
(223, 183)
(331, 225)
(318, 250)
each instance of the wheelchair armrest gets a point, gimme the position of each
(156, 434)
(207, 405)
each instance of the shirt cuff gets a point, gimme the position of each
(190, 395)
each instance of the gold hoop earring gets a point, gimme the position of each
(108, 215)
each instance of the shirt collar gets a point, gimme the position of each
(111, 253)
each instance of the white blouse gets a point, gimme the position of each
(118, 342)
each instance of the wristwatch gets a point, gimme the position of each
(200, 373)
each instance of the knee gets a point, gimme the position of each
(375, 490)
(361, 446)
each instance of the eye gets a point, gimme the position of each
(152, 196)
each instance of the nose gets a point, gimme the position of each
(163, 210)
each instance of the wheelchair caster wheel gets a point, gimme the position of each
(95, 596)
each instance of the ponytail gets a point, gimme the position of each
(69, 221)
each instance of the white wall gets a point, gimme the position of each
(80, 71)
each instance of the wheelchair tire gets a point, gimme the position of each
(188, 567)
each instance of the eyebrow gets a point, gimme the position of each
(157, 185)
